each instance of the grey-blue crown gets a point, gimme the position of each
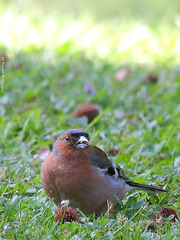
(73, 132)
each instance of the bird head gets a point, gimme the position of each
(71, 140)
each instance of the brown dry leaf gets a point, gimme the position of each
(152, 78)
(2, 172)
(87, 109)
(161, 218)
(122, 74)
(43, 153)
(113, 151)
(152, 225)
(128, 114)
(166, 212)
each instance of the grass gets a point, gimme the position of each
(44, 83)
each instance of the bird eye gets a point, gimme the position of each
(67, 138)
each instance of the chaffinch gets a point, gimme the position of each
(82, 173)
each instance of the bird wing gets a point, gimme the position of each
(100, 159)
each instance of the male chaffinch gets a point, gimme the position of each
(82, 173)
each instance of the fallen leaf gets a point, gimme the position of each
(128, 114)
(87, 109)
(166, 212)
(113, 151)
(152, 78)
(152, 225)
(43, 153)
(121, 75)
(160, 218)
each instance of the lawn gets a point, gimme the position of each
(44, 78)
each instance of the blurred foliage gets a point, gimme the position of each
(135, 34)
(149, 10)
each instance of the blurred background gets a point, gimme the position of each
(147, 10)
(147, 31)
(123, 57)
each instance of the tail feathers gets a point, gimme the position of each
(134, 185)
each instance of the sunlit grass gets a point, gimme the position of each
(115, 40)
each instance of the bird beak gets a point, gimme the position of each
(82, 142)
